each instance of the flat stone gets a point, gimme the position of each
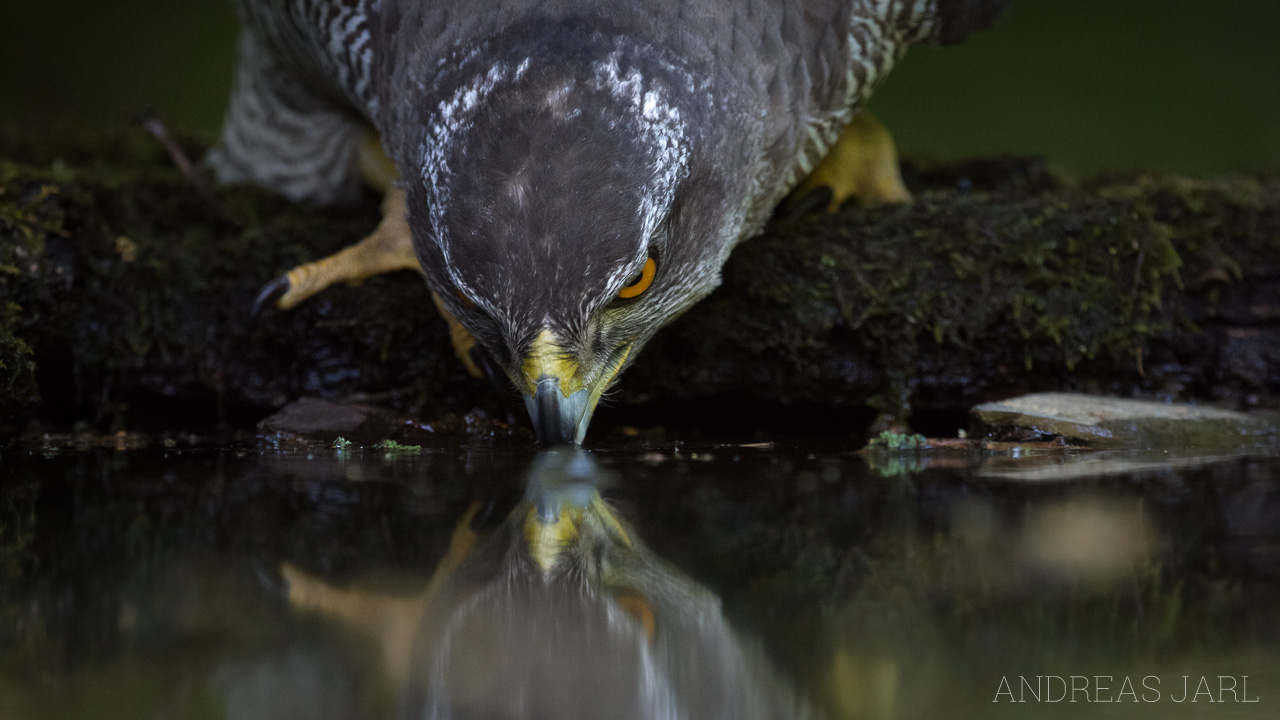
(314, 418)
(1116, 422)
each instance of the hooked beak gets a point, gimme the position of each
(559, 419)
(559, 395)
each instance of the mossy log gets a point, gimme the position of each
(120, 287)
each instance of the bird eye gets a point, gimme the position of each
(642, 282)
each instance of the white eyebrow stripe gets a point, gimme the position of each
(664, 131)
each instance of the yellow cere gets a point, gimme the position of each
(547, 358)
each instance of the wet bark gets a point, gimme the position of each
(120, 288)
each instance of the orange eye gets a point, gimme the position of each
(643, 282)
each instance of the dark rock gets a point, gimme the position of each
(316, 419)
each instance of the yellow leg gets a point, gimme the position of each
(387, 249)
(862, 164)
(461, 543)
(390, 619)
(376, 169)
(462, 339)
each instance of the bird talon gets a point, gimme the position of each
(271, 294)
(480, 359)
(815, 200)
(862, 164)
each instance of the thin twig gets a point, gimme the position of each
(152, 124)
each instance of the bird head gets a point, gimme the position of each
(557, 216)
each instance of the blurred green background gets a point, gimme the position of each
(1189, 85)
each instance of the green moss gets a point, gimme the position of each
(894, 454)
(1028, 282)
(121, 260)
(17, 375)
(1018, 285)
(22, 234)
(896, 442)
(397, 447)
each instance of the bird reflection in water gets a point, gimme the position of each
(561, 612)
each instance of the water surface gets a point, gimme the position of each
(259, 580)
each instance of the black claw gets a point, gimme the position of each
(816, 199)
(487, 366)
(271, 292)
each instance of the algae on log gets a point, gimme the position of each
(119, 286)
(1009, 280)
(129, 290)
